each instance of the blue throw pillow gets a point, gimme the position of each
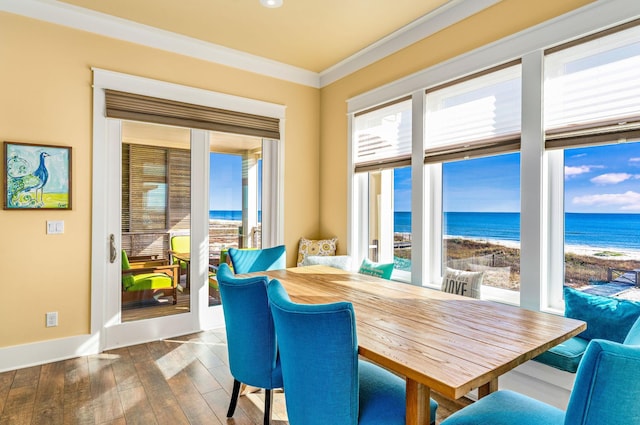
(607, 317)
(376, 269)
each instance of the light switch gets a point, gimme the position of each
(55, 227)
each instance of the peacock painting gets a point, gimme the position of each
(37, 176)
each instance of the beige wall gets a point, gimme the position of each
(46, 97)
(499, 21)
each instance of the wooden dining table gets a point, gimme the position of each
(435, 340)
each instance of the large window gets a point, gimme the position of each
(383, 152)
(592, 124)
(530, 167)
(471, 127)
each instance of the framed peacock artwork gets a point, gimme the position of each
(37, 177)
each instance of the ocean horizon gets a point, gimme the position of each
(581, 229)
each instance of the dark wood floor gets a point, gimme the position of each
(182, 380)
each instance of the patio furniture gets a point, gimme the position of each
(148, 280)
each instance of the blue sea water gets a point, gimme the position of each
(229, 215)
(595, 230)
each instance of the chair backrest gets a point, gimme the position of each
(607, 385)
(319, 354)
(258, 260)
(180, 243)
(127, 279)
(251, 340)
(633, 336)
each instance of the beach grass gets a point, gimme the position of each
(580, 268)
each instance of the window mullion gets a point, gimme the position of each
(532, 239)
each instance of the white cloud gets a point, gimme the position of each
(628, 201)
(611, 178)
(576, 171)
(634, 159)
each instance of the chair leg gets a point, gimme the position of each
(234, 398)
(268, 404)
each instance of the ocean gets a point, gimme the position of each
(229, 215)
(594, 230)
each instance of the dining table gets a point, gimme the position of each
(436, 340)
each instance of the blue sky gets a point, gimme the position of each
(600, 179)
(225, 182)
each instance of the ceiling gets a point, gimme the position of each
(310, 34)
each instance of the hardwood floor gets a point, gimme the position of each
(182, 380)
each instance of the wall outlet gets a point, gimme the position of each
(52, 319)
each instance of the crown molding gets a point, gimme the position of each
(593, 17)
(448, 14)
(122, 29)
(109, 26)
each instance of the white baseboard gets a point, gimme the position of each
(540, 381)
(37, 353)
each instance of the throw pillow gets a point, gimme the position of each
(338, 261)
(461, 282)
(607, 317)
(370, 268)
(316, 247)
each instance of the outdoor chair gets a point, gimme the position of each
(605, 392)
(148, 280)
(324, 381)
(258, 260)
(251, 341)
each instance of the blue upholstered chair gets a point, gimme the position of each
(324, 381)
(258, 260)
(251, 341)
(605, 392)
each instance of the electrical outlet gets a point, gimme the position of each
(52, 319)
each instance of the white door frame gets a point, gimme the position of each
(105, 300)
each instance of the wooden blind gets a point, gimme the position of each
(135, 107)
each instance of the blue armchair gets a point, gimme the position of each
(251, 341)
(605, 392)
(258, 260)
(324, 381)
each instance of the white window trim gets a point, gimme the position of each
(542, 273)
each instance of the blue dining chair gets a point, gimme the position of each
(605, 392)
(251, 340)
(258, 260)
(324, 381)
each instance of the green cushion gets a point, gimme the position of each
(565, 356)
(149, 281)
(127, 279)
(181, 243)
(607, 317)
(370, 268)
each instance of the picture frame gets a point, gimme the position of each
(37, 177)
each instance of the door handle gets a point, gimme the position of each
(112, 249)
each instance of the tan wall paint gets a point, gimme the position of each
(499, 21)
(45, 83)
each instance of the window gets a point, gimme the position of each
(235, 193)
(509, 144)
(471, 126)
(592, 126)
(383, 153)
